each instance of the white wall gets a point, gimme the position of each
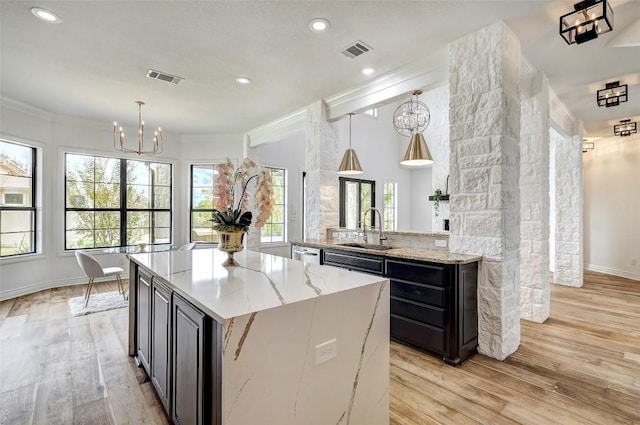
(55, 134)
(611, 205)
(287, 153)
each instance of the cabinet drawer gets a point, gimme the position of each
(435, 316)
(432, 274)
(369, 264)
(424, 336)
(420, 292)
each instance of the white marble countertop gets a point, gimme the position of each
(262, 281)
(441, 256)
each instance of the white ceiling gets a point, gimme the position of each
(93, 64)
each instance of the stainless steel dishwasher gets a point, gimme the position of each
(306, 254)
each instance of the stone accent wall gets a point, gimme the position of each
(437, 136)
(484, 112)
(321, 164)
(568, 226)
(534, 196)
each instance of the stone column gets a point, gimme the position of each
(484, 73)
(321, 164)
(568, 225)
(534, 197)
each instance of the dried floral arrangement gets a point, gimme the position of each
(231, 212)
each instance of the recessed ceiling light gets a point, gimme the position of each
(319, 25)
(45, 15)
(243, 80)
(368, 71)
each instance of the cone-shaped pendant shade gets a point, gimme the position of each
(350, 163)
(417, 152)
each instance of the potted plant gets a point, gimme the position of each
(437, 198)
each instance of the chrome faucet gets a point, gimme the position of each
(382, 237)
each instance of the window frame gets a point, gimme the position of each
(123, 210)
(393, 209)
(284, 208)
(34, 199)
(342, 183)
(214, 236)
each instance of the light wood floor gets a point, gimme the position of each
(581, 367)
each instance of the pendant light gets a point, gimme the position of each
(350, 163)
(409, 119)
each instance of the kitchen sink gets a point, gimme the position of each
(366, 246)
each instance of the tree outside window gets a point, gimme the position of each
(356, 197)
(390, 206)
(202, 202)
(274, 229)
(99, 213)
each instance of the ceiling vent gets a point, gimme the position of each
(157, 75)
(355, 49)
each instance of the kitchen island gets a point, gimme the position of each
(273, 341)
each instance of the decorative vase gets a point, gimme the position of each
(231, 242)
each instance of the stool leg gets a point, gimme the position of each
(88, 293)
(121, 286)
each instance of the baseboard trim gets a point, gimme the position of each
(614, 272)
(60, 283)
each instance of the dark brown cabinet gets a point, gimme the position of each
(161, 341)
(188, 363)
(143, 300)
(433, 306)
(180, 348)
(353, 261)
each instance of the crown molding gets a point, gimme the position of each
(562, 120)
(24, 108)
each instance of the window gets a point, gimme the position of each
(202, 202)
(18, 199)
(356, 197)
(390, 206)
(116, 202)
(274, 229)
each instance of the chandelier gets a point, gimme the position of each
(118, 137)
(589, 19)
(409, 120)
(612, 94)
(625, 128)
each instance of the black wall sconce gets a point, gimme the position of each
(589, 19)
(612, 94)
(625, 128)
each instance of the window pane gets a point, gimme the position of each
(16, 243)
(135, 236)
(16, 159)
(161, 235)
(161, 174)
(162, 197)
(107, 237)
(79, 239)
(351, 205)
(107, 220)
(137, 219)
(80, 168)
(80, 220)
(202, 198)
(138, 172)
(138, 197)
(16, 221)
(107, 195)
(162, 219)
(107, 170)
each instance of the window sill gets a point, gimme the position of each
(22, 258)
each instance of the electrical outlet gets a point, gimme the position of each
(441, 243)
(326, 351)
(634, 262)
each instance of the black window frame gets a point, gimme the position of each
(123, 210)
(342, 183)
(283, 204)
(33, 208)
(192, 210)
